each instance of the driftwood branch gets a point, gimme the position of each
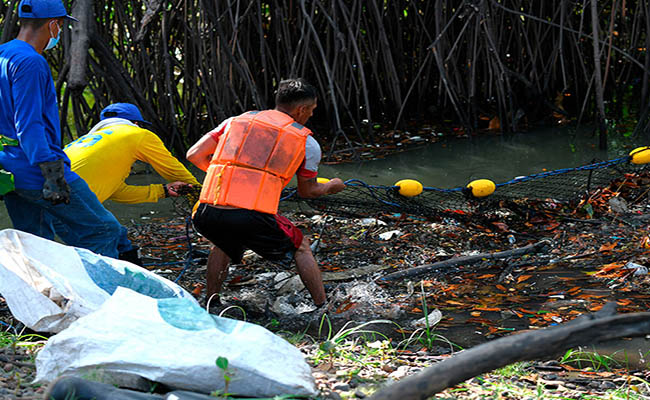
(465, 260)
(519, 347)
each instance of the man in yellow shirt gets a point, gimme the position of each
(104, 156)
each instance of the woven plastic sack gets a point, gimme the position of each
(48, 285)
(176, 343)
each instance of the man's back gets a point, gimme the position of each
(103, 157)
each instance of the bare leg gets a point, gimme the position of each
(217, 270)
(309, 272)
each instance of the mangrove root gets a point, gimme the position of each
(465, 260)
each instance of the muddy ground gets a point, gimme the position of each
(595, 251)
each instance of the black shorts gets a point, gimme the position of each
(273, 237)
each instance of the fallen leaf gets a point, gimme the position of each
(487, 308)
(523, 278)
(326, 366)
(455, 303)
(607, 247)
(501, 226)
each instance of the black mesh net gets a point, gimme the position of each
(562, 186)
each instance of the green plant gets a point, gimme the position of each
(7, 339)
(427, 336)
(295, 337)
(516, 369)
(329, 346)
(222, 364)
(274, 323)
(591, 359)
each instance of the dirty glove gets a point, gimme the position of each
(55, 189)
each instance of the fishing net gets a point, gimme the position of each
(560, 186)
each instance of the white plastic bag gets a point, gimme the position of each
(48, 285)
(175, 342)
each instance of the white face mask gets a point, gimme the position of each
(53, 41)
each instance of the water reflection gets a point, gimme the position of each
(453, 163)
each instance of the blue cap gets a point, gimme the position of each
(122, 110)
(43, 9)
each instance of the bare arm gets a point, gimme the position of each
(201, 152)
(309, 188)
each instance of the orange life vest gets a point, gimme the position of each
(254, 160)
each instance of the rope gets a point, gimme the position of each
(188, 258)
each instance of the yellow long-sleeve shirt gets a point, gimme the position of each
(104, 156)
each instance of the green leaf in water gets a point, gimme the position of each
(589, 209)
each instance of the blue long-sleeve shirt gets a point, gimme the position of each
(29, 113)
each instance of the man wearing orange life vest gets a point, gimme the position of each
(249, 159)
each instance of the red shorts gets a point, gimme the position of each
(273, 237)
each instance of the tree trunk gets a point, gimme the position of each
(600, 102)
(79, 44)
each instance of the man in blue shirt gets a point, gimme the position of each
(45, 188)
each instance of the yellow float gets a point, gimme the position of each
(640, 155)
(481, 187)
(322, 180)
(409, 187)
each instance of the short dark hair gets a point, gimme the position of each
(293, 91)
(35, 23)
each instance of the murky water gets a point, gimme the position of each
(456, 162)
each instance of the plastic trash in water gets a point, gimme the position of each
(639, 269)
(511, 239)
(390, 234)
(433, 318)
(371, 221)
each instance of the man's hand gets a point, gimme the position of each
(334, 186)
(309, 188)
(177, 188)
(55, 189)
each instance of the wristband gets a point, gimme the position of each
(165, 190)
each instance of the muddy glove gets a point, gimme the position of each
(55, 189)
